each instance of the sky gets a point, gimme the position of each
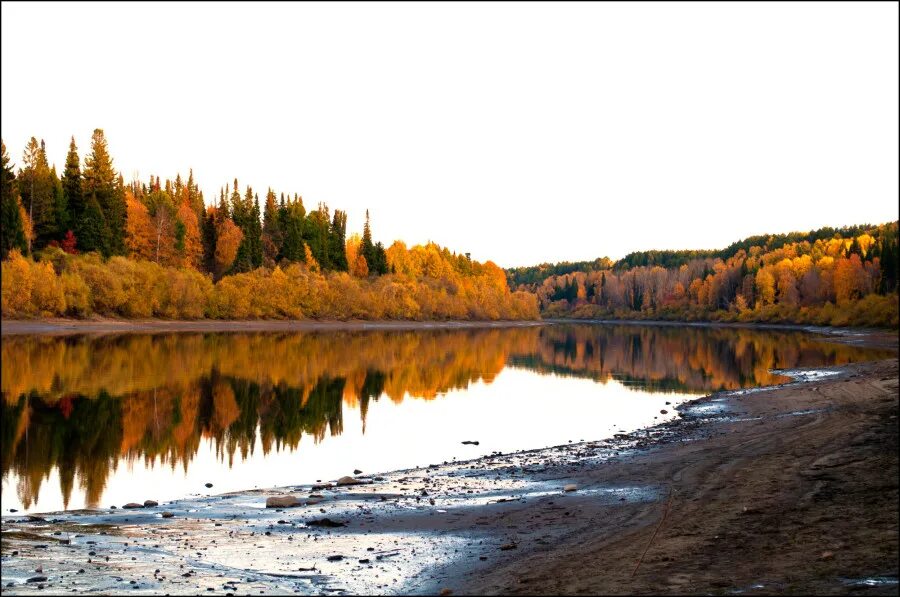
(520, 133)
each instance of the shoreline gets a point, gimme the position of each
(66, 326)
(779, 488)
(62, 326)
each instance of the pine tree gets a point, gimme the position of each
(292, 218)
(12, 231)
(71, 186)
(209, 237)
(256, 253)
(272, 237)
(99, 182)
(63, 222)
(95, 234)
(366, 248)
(337, 240)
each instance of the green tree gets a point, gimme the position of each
(100, 182)
(272, 237)
(291, 217)
(337, 241)
(12, 231)
(95, 234)
(71, 184)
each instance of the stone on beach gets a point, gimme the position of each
(346, 480)
(168, 515)
(571, 487)
(282, 501)
(150, 503)
(131, 505)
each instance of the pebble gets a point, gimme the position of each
(571, 487)
(150, 503)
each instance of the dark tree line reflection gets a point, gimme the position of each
(85, 406)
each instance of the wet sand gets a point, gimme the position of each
(791, 489)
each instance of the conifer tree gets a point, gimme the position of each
(95, 234)
(337, 241)
(63, 222)
(99, 182)
(12, 231)
(271, 231)
(71, 186)
(366, 248)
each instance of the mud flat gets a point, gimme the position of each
(789, 489)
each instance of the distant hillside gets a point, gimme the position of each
(830, 276)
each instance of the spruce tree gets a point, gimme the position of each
(337, 241)
(366, 248)
(271, 229)
(63, 222)
(71, 186)
(95, 234)
(99, 181)
(12, 230)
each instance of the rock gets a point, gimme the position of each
(508, 546)
(37, 579)
(314, 500)
(348, 481)
(325, 522)
(13, 510)
(445, 592)
(663, 412)
(365, 561)
(208, 485)
(571, 487)
(356, 471)
(132, 505)
(282, 501)
(168, 515)
(320, 487)
(150, 503)
(335, 558)
(470, 443)
(827, 555)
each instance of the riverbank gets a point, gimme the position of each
(62, 326)
(785, 489)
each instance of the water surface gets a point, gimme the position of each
(95, 421)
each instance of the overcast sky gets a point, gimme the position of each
(521, 133)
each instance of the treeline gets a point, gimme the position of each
(88, 243)
(533, 276)
(832, 279)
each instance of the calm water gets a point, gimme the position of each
(100, 421)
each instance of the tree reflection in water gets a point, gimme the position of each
(86, 405)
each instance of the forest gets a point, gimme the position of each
(844, 276)
(88, 243)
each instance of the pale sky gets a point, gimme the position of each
(521, 133)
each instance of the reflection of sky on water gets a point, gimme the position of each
(255, 410)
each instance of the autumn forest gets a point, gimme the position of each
(89, 243)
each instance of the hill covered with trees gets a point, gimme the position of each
(88, 243)
(829, 276)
